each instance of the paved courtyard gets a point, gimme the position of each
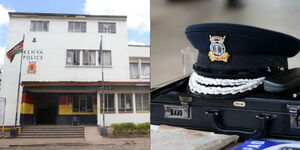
(92, 141)
(76, 144)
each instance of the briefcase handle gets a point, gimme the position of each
(262, 118)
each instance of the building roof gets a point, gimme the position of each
(139, 45)
(61, 15)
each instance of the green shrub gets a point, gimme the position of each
(130, 128)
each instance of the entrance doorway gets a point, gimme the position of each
(46, 108)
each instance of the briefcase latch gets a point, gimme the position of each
(294, 116)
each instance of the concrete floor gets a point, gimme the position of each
(169, 20)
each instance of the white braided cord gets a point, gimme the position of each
(212, 86)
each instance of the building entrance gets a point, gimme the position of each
(46, 108)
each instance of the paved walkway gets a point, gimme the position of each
(91, 141)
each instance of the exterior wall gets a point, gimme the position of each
(137, 117)
(139, 51)
(54, 45)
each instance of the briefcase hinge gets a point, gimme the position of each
(185, 100)
(294, 111)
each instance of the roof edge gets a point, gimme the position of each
(13, 14)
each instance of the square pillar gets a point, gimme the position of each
(133, 103)
(116, 98)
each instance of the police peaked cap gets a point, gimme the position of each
(233, 50)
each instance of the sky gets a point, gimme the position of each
(137, 12)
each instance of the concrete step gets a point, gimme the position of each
(52, 136)
(52, 132)
(52, 129)
(59, 127)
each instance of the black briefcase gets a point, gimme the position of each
(262, 114)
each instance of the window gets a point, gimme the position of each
(82, 103)
(145, 70)
(106, 58)
(39, 26)
(109, 103)
(77, 27)
(106, 27)
(142, 102)
(125, 102)
(139, 68)
(73, 57)
(89, 57)
(134, 71)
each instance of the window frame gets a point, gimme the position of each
(78, 53)
(43, 25)
(120, 105)
(89, 63)
(108, 110)
(111, 30)
(73, 29)
(143, 107)
(84, 98)
(139, 61)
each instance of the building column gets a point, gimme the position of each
(133, 103)
(116, 102)
(97, 56)
(80, 57)
(99, 121)
(140, 68)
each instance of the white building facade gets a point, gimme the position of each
(61, 78)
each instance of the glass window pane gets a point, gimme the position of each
(145, 70)
(82, 103)
(134, 71)
(146, 102)
(75, 103)
(46, 24)
(89, 104)
(109, 103)
(71, 27)
(106, 27)
(107, 58)
(138, 102)
(72, 57)
(125, 102)
(39, 26)
(83, 27)
(77, 27)
(85, 59)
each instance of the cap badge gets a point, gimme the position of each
(217, 49)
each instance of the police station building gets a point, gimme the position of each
(61, 78)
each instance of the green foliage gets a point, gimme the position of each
(130, 128)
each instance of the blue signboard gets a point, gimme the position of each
(267, 145)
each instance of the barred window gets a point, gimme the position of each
(39, 26)
(106, 27)
(77, 27)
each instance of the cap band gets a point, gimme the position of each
(242, 65)
(202, 85)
